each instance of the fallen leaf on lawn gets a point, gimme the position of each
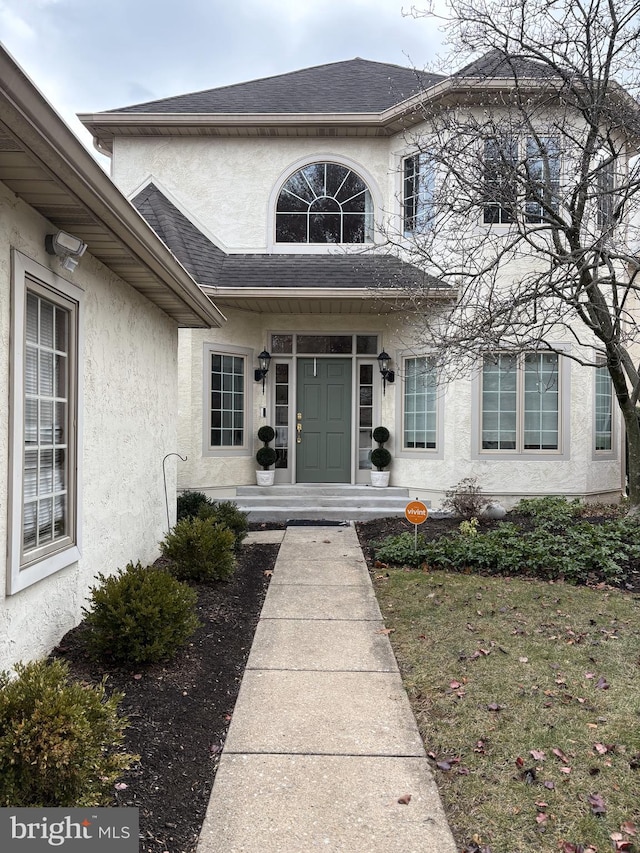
(479, 747)
(493, 706)
(597, 804)
(443, 765)
(137, 676)
(565, 770)
(537, 754)
(549, 785)
(619, 842)
(629, 827)
(589, 675)
(121, 786)
(602, 684)
(386, 631)
(542, 805)
(523, 660)
(560, 754)
(454, 685)
(405, 799)
(463, 771)
(542, 818)
(519, 761)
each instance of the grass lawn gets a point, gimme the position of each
(527, 695)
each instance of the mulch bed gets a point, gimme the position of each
(179, 712)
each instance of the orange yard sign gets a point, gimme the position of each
(416, 512)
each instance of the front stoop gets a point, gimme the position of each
(322, 502)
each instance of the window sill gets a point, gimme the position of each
(22, 578)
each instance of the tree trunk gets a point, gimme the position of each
(632, 425)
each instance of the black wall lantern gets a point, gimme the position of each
(260, 373)
(384, 360)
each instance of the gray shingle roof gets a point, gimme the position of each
(497, 64)
(212, 267)
(354, 86)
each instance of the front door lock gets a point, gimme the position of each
(299, 432)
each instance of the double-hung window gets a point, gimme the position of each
(417, 194)
(520, 176)
(500, 193)
(605, 198)
(603, 410)
(520, 402)
(420, 402)
(45, 391)
(226, 384)
(542, 179)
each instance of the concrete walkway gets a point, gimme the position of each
(323, 743)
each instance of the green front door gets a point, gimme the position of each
(323, 420)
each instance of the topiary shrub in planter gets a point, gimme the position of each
(266, 457)
(59, 739)
(189, 504)
(380, 435)
(139, 616)
(200, 550)
(227, 513)
(380, 458)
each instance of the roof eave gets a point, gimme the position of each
(47, 140)
(328, 293)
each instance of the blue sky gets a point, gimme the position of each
(91, 55)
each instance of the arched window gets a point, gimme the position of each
(324, 203)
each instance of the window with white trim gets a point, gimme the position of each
(227, 403)
(420, 422)
(520, 402)
(417, 194)
(324, 203)
(44, 405)
(520, 173)
(500, 195)
(603, 410)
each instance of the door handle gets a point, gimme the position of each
(299, 432)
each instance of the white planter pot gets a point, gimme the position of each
(380, 479)
(265, 478)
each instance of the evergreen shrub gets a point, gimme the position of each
(59, 739)
(139, 616)
(189, 504)
(228, 514)
(200, 550)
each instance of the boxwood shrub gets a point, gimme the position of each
(200, 550)
(59, 740)
(139, 616)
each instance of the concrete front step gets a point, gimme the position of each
(314, 490)
(327, 502)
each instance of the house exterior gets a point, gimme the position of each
(88, 373)
(278, 196)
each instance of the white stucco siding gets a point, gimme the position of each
(226, 184)
(573, 471)
(129, 369)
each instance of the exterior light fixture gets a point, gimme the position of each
(67, 247)
(384, 360)
(260, 373)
